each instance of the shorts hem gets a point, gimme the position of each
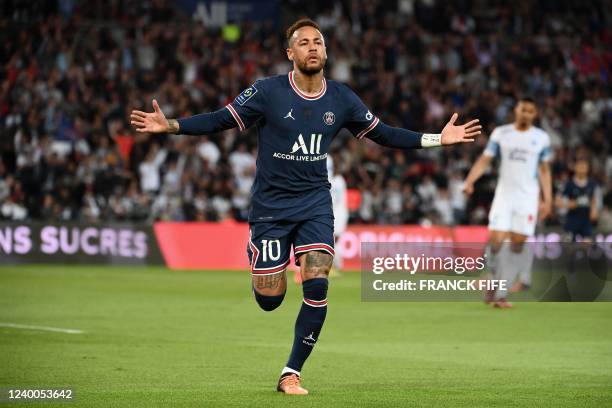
(271, 270)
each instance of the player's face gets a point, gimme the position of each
(581, 168)
(525, 113)
(307, 50)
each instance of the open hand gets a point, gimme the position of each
(452, 133)
(154, 122)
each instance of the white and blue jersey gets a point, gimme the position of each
(515, 206)
(520, 153)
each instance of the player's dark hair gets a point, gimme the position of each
(303, 22)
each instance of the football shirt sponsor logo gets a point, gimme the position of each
(518, 154)
(304, 150)
(315, 144)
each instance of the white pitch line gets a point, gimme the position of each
(43, 328)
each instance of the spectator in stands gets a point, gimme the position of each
(67, 153)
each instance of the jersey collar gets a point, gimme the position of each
(302, 94)
(581, 184)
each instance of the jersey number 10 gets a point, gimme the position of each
(270, 248)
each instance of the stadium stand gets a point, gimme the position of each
(73, 70)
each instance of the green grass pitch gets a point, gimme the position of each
(155, 337)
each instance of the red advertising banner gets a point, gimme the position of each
(203, 245)
(223, 245)
(349, 244)
(212, 246)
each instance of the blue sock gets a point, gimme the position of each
(309, 321)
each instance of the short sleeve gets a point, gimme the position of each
(546, 152)
(358, 120)
(492, 149)
(249, 106)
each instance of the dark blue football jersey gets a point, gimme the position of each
(583, 195)
(295, 132)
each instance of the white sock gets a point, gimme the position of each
(289, 370)
(492, 259)
(524, 261)
(505, 270)
(338, 255)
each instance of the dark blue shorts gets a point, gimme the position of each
(270, 243)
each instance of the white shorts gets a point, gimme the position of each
(341, 217)
(518, 214)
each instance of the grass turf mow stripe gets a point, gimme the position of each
(43, 328)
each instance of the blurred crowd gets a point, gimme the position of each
(72, 71)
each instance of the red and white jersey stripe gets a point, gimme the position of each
(367, 130)
(236, 117)
(320, 246)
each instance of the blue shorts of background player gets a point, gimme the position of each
(270, 243)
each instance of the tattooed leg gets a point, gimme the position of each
(271, 285)
(269, 290)
(315, 264)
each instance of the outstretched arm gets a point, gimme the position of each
(156, 122)
(406, 139)
(476, 172)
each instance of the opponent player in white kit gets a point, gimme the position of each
(525, 155)
(341, 213)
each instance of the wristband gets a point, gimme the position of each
(431, 140)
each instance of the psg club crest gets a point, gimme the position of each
(329, 118)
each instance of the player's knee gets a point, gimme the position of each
(495, 246)
(315, 289)
(517, 246)
(317, 265)
(496, 241)
(268, 303)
